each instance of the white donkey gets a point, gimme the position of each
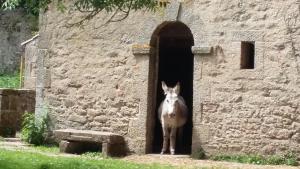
(172, 114)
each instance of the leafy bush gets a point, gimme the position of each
(288, 159)
(10, 80)
(32, 132)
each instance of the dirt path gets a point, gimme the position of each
(186, 162)
(181, 161)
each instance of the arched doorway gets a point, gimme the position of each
(171, 61)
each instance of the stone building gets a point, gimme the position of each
(237, 61)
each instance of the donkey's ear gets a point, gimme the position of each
(164, 87)
(177, 88)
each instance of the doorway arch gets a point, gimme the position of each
(172, 61)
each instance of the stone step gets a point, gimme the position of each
(13, 144)
(170, 156)
(12, 139)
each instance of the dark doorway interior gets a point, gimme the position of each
(175, 65)
(247, 55)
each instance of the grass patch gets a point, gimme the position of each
(286, 159)
(27, 160)
(93, 155)
(11, 81)
(47, 148)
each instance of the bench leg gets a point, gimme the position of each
(68, 147)
(105, 149)
(113, 149)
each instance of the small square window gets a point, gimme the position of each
(247, 55)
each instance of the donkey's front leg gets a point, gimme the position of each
(166, 135)
(173, 140)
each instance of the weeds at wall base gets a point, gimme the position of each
(289, 158)
(33, 132)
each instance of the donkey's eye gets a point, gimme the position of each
(168, 101)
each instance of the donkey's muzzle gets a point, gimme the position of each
(172, 115)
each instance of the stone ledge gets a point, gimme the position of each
(141, 49)
(8, 91)
(201, 50)
(82, 135)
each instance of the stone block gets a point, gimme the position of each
(46, 59)
(172, 11)
(141, 49)
(201, 50)
(77, 118)
(47, 78)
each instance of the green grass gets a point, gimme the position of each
(93, 155)
(28, 160)
(286, 159)
(47, 148)
(10, 81)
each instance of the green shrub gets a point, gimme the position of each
(10, 80)
(32, 132)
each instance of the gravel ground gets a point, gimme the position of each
(186, 162)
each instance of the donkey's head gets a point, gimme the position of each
(171, 104)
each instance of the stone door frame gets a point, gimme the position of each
(143, 54)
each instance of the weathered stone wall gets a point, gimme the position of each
(253, 111)
(30, 63)
(88, 77)
(13, 104)
(15, 28)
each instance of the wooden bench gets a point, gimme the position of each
(77, 141)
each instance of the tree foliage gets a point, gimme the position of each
(120, 9)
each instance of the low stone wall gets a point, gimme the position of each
(13, 104)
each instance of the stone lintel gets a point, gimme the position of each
(247, 35)
(141, 49)
(201, 50)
